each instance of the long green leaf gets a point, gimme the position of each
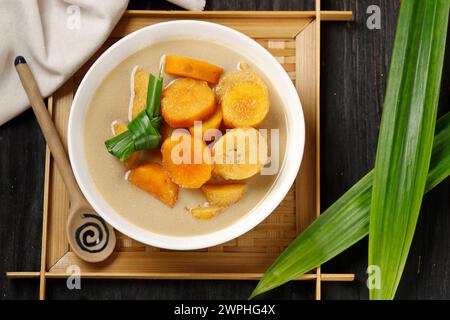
(346, 221)
(406, 138)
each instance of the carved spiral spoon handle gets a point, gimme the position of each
(90, 237)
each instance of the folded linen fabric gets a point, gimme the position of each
(55, 36)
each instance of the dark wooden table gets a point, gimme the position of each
(354, 72)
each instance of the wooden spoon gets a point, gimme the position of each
(90, 237)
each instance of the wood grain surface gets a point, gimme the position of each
(354, 65)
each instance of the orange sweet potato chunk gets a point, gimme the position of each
(188, 160)
(153, 178)
(185, 101)
(212, 122)
(165, 130)
(192, 68)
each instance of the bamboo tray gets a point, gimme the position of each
(293, 38)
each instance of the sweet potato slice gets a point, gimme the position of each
(223, 195)
(212, 122)
(117, 128)
(185, 101)
(154, 179)
(244, 99)
(139, 87)
(192, 68)
(205, 213)
(187, 159)
(239, 154)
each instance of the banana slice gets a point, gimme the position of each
(222, 194)
(139, 87)
(239, 154)
(118, 127)
(244, 99)
(205, 213)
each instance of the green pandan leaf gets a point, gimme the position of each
(406, 137)
(346, 221)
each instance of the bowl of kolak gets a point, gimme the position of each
(185, 134)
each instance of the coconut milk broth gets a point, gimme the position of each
(111, 101)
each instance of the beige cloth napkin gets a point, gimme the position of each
(55, 36)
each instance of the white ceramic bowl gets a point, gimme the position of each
(295, 128)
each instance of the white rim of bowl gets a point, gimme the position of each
(295, 139)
